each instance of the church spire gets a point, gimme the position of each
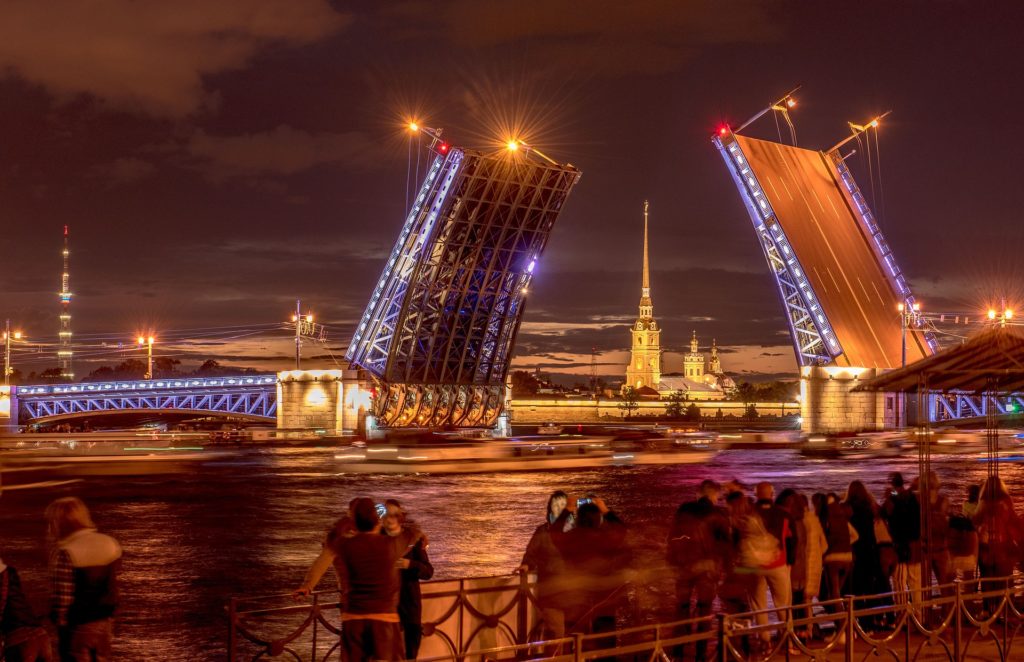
(646, 305)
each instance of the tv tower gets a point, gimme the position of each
(64, 352)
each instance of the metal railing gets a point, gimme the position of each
(962, 620)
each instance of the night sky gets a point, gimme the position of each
(217, 160)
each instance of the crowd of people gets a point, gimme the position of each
(84, 565)
(740, 547)
(730, 543)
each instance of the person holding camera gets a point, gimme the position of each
(366, 564)
(543, 558)
(597, 557)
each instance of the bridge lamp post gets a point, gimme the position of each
(149, 358)
(907, 315)
(8, 338)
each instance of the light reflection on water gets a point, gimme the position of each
(252, 525)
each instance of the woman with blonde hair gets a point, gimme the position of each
(83, 570)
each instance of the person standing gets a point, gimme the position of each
(698, 543)
(597, 559)
(22, 636)
(902, 512)
(774, 575)
(366, 564)
(413, 566)
(542, 557)
(84, 570)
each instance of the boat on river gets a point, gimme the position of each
(533, 453)
(27, 459)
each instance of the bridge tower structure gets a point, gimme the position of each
(837, 278)
(438, 331)
(64, 351)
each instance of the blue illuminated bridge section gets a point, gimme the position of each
(250, 396)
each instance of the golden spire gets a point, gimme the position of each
(646, 293)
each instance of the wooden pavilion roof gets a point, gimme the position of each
(990, 362)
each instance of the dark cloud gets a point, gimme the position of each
(125, 170)
(283, 150)
(150, 56)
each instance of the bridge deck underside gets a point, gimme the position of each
(855, 293)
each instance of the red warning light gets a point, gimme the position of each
(724, 130)
(443, 148)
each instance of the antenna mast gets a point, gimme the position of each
(64, 353)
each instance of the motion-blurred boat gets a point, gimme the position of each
(537, 453)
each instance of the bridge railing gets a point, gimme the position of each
(495, 618)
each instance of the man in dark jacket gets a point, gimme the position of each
(698, 544)
(543, 558)
(902, 512)
(414, 565)
(597, 565)
(22, 637)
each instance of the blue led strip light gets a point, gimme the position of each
(372, 338)
(878, 243)
(813, 338)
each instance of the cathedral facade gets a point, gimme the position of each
(701, 378)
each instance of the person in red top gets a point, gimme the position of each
(773, 576)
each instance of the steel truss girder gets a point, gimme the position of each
(437, 405)
(813, 339)
(258, 403)
(953, 406)
(448, 304)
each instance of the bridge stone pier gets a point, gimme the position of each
(333, 400)
(828, 404)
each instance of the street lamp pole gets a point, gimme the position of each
(8, 338)
(149, 355)
(7, 353)
(297, 318)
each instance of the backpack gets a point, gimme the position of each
(758, 547)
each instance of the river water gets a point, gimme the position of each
(251, 524)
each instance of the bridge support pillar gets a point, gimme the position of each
(336, 401)
(8, 408)
(829, 405)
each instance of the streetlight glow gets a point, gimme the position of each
(414, 127)
(512, 145)
(900, 307)
(142, 341)
(917, 307)
(791, 102)
(991, 314)
(1008, 315)
(309, 318)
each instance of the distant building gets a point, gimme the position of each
(701, 379)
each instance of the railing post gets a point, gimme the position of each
(232, 635)
(957, 621)
(577, 646)
(316, 601)
(523, 613)
(720, 637)
(851, 628)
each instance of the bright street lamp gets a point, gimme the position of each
(148, 340)
(8, 337)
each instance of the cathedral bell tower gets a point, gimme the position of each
(644, 367)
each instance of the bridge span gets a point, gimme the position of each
(334, 400)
